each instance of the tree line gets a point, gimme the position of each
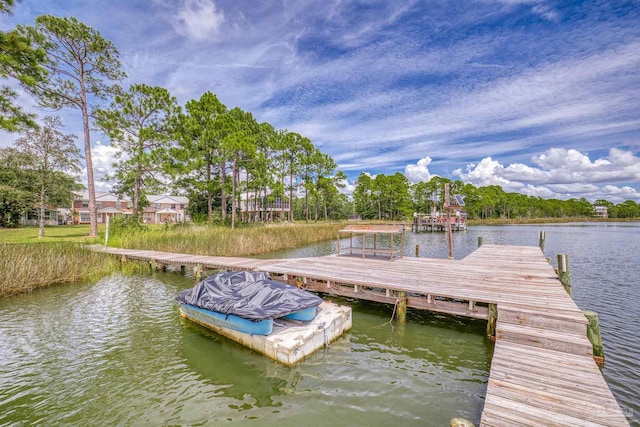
(393, 197)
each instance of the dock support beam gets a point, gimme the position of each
(563, 273)
(480, 241)
(491, 324)
(593, 333)
(401, 308)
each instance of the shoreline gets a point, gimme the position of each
(525, 221)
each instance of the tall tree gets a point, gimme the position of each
(328, 187)
(80, 63)
(138, 123)
(51, 156)
(308, 160)
(263, 168)
(239, 147)
(23, 62)
(363, 196)
(196, 161)
(290, 147)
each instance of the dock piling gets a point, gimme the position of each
(542, 235)
(480, 241)
(197, 272)
(491, 323)
(401, 308)
(593, 333)
(563, 273)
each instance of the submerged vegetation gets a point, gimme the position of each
(26, 267)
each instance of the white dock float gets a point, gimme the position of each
(291, 341)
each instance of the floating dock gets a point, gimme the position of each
(543, 372)
(291, 341)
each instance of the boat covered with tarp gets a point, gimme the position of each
(246, 301)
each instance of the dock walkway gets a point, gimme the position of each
(542, 371)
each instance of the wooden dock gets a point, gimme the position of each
(542, 372)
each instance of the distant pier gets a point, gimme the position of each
(438, 222)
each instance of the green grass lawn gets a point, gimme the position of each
(58, 233)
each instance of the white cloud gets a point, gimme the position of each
(561, 173)
(347, 187)
(419, 172)
(199, 19)
(546, 12)
(102, 157)
(487, 172)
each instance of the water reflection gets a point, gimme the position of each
(235, 370)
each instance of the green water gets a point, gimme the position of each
(117, 353)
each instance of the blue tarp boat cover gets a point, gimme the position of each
(249, 294)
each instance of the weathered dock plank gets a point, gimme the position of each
(542, 372)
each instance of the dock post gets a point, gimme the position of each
(542, 235)
(491, 323)
(480, 241)
(593, 333)
(563, 272)
(197, 272)
(417, 250)
(401, 309)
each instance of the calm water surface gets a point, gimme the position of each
(118, 353)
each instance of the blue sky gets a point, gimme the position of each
(539, 97)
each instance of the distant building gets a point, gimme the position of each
(256, 209)
(161, 208)
(601, 212)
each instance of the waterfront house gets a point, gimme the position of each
(601, 212)
(259, 208)
(161, 209)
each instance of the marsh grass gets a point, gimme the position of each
(222, 241)
(26, 267)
